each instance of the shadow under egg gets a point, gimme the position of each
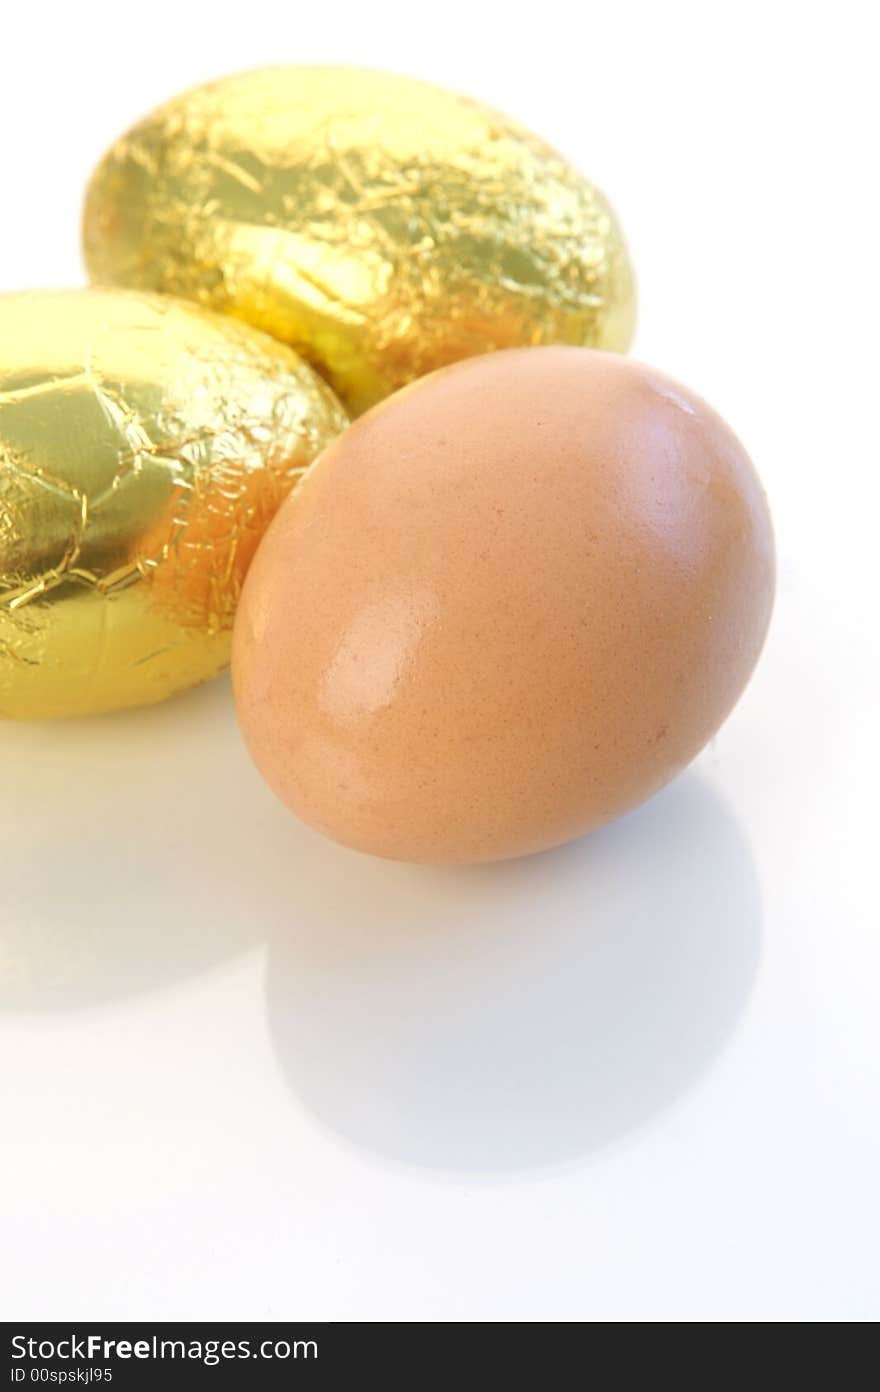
(125, 864)
(510, 1016)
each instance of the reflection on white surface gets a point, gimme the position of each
(124, 850)
(524, 1013)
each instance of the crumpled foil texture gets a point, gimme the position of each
(145, 445)
(381, 226)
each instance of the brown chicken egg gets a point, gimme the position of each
(508, 604)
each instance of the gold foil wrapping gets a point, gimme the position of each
(144, 446)
(381, 226)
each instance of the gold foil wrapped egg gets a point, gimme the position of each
(381, 226)
(145, 444)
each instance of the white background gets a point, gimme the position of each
(248, 1074)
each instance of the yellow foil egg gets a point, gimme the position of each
(145, 444)
(381, 226)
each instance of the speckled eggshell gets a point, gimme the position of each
(504, 607)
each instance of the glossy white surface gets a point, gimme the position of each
(248, 1074)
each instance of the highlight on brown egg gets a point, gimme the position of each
(145, 444)
(380, 225)
(505, 606)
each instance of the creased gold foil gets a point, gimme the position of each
(145, 444)
(382, 226)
